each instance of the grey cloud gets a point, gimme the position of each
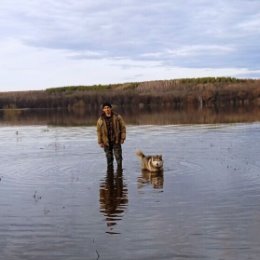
(142, 30)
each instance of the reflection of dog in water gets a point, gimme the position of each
(147, 178)
(151, 163)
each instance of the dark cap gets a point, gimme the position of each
(106, 104)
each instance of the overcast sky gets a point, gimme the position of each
(51, 43)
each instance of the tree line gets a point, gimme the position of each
(179, 93)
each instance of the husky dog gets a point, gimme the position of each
(152, 163)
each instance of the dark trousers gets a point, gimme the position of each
(111, 151)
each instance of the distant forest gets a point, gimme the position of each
(179, 93)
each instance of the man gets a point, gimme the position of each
(111, 133)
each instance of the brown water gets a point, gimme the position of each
(133, 116)
(57, 200)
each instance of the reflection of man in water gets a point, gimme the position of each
(111, 132)
(154, 178)
(113, 197)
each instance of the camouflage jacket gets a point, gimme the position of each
(119, 129)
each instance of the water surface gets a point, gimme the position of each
(57, 200)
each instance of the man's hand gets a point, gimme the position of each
(122, 141)
(102, 145)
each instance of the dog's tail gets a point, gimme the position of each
(139, 153)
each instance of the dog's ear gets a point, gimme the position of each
(160, 156)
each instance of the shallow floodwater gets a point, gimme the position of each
(57, 200)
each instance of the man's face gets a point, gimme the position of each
(107, 110)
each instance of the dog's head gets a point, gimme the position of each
(157, 161)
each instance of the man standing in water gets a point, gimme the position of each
(111, 133)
